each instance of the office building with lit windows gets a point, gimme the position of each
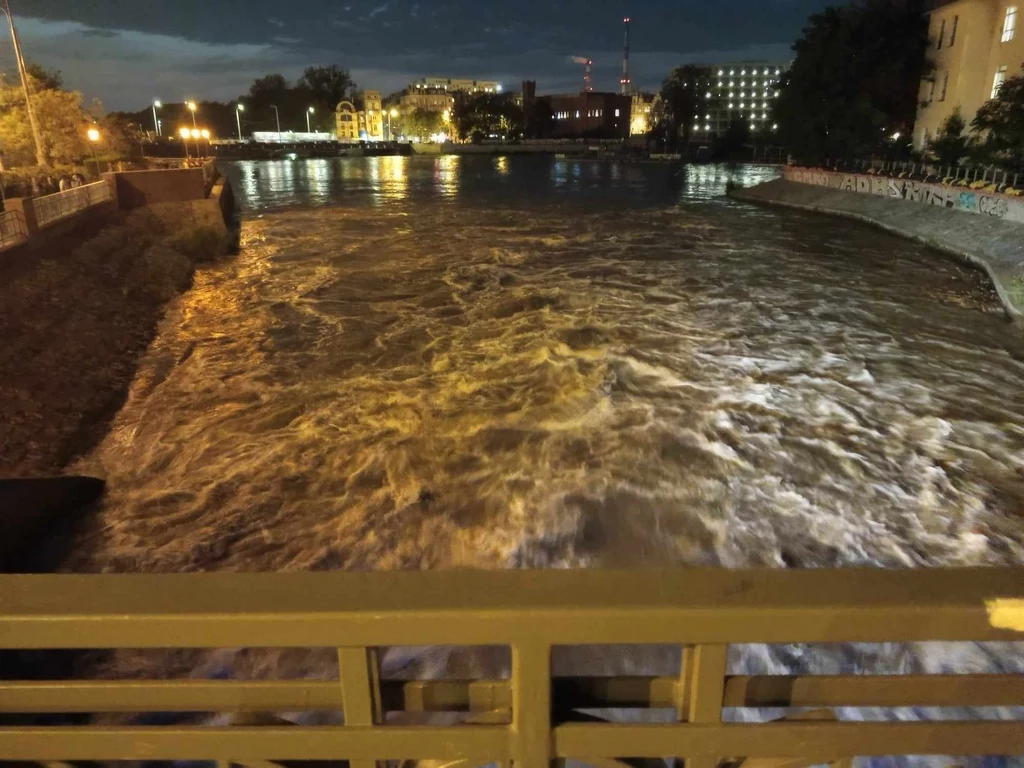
(590, 115)
(743, 91)
(455, 84)
(975, 46)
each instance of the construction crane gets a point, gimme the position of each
(588, 80)
(625, 82)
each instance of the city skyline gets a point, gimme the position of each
(127, 55)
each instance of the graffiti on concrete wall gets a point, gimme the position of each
(938, 195)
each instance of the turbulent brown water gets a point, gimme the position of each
(441, 362)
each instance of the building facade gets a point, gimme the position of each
(744, 91)
(453, 84)
(366, 124)
(642, 113)
(590, 115)
(975, 46)
(429, 99)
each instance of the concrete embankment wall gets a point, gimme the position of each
(540, 148)
(965, 223)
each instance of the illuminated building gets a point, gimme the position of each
(590, 114)
(743, 91)
(452, 85)
(366, 124)
(641, 113)
(974, 45)
(429, 99)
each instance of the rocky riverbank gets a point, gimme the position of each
(75, 318)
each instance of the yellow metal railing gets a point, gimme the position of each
(530, 718)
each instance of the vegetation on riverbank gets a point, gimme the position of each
(76, 319)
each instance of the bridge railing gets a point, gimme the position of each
(50, 209)
(12, 228)
(530, 718)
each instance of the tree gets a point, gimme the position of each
(950, 144)
(62, 123)
(1002, 122)
(422, 123)
(731, 143)
(480, 115)
(327, 85)
(855, 79)
(682, 96)
(45, 79)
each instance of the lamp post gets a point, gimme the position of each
(94, 137)
(184, 133)
(156, 122)
(309, 112)
(192, 108)
(205, 133)
(277, 116)
(37, 139)
(239, 109)
(195, 135)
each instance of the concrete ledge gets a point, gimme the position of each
(995, 245)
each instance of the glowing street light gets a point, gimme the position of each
(94, 137)
(239, 109)
(309, 112)
(391, 113)
(206, 135)
(446, 115)
(156, 122)
(192, 108)
(185, 133)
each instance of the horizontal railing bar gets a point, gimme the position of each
(874, 691)
(238, 744)
(501, 607)
(820, 741)
(495, 695)
(817, 741)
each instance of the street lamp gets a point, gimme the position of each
(184, 133)
(206, 135)
(239, 109)
(192, 108)
(94, 137)
(277, 116)
(195, 135)
(156, 122)
(309, 112)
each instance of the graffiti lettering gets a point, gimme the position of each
(993, 206)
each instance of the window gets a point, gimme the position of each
(931, 91)
(1009, 23)
(942, 34)
(945, 85)
(952, 35)
(617, 113)
(998, 81)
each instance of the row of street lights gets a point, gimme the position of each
(239, 109)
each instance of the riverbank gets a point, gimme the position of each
(987, 242)
(76, 317)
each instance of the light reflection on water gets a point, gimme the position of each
(472, 180)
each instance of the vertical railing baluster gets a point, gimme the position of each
(359, 675)
(707, 689)
(531, 705)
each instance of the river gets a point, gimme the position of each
(531, 362)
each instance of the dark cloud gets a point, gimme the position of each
(388, 42)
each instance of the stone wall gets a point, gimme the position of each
(999, 206)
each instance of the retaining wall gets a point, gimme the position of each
(994, 243)
(993, 204)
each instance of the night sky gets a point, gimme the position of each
(128, 52)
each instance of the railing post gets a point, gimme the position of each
(706, 690)
(531, 705)
(359, 675)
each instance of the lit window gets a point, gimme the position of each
(719, 83)
(764, 115)
(616, 113)
(775, 126)
(743, 95)
(707, 127)
(776, 70)
(998, 82)
(1009, 23)
(707, 95)
(743, 83)
(577, 114)
(707, 117)
(741, 105)
(945, 85)
(720, 72)
(776, 93)
(952, 35)
(743, 72)
(766, 71)
(732, 72)
(732, 94)
(732, 83)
